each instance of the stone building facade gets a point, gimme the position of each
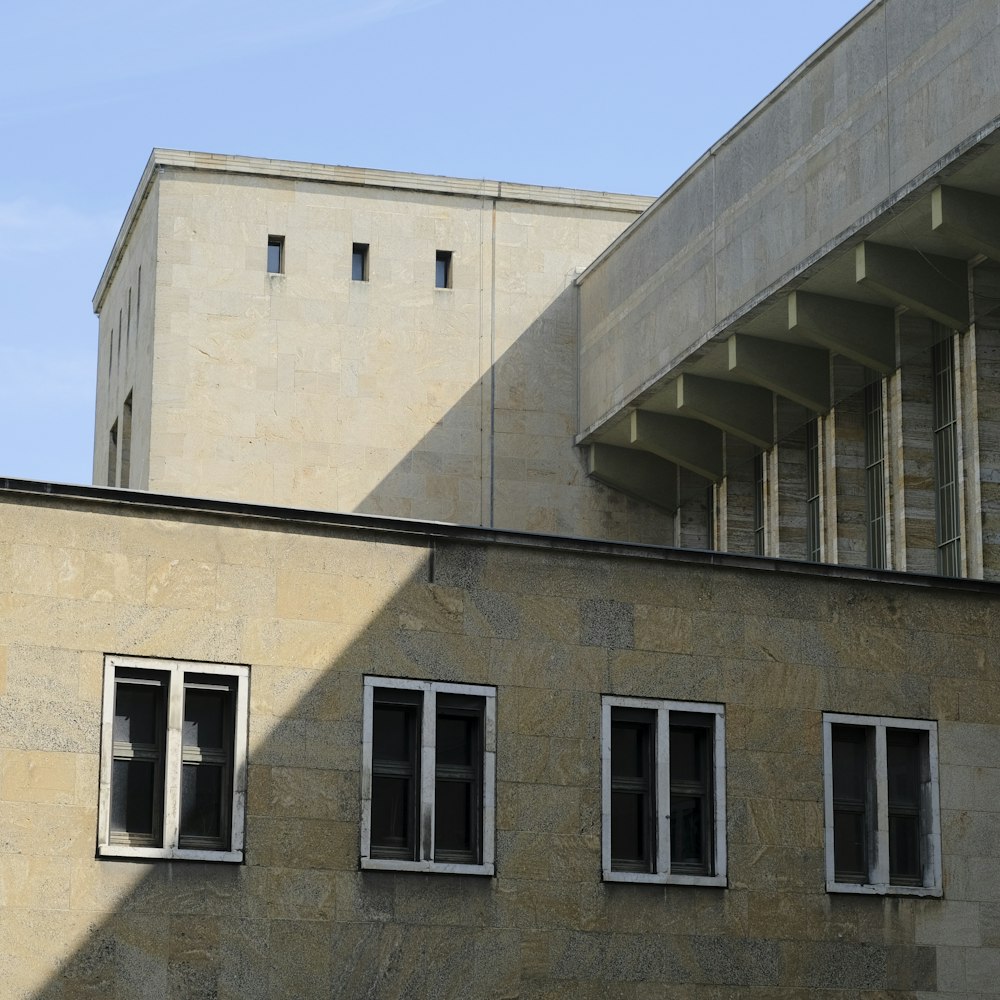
(513, 592)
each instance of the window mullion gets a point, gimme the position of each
(661, 797)
(880, 872)
(172, 759)
(428, 774)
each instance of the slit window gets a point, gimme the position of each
(359, 262)
(442, 269)
(276, 254)
(664, 792)
(429, 776)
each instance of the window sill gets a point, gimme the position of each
(167, 854)
(877, 889)
(434, 867)
(717, 881)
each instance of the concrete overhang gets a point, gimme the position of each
(910, 256)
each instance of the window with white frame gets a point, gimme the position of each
(428, 776)
(173, 759)
(883, 832)
(664, 791)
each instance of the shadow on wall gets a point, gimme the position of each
(299, 919)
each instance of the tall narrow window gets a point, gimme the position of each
(875, 519)
(128, 325)
(946, 485)
(173, 759)
(429, 776)
(359, 262)
(710, 514)
(126, 440)
(759, 509)
(113, 454)
(664, 792)
(814, 535)
(138, 298)
(442, 269)
(883, 831)
(276, 254)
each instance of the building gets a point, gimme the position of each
(379, 679)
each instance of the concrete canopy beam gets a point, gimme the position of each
(743, 410)
(635, 473)
(936, 287)
(864, 333)
(690, 444)
(969, 215)
(801, 374)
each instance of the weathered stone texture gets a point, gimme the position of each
(312, 611)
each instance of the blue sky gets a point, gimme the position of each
(610, 97)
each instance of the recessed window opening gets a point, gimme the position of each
(664, 803)
(442, 269)
(359, 262)
(875, 474)
(428, 791)
(173, 760)
(276, 254)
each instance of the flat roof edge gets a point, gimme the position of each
(227, 163)
(138, 502)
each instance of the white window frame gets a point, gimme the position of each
(425, 826)
(879, 883)
(661, 788)
(174, 672)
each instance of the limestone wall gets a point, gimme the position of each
(313, 607)
(389, 395)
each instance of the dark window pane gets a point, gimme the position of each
(359, 262)
(137, 712)
(905, 867)
(629, 749)
(850, 767)
(204, 718)
(392, 816)
(687, 832)
(454, 810)
(630, 829)
(275, 248)
(392, 733)
(850, 851)
(456, 740)
(688, 758)
(442, 273)
(133, 795)
(201, 800)
(903, 754)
